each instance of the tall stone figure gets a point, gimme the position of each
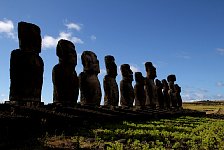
(150, 87)
(166, 94)
(64, 76)
(26, 66)
(126, 88)
(178, 96)
(139, 90)
(159, 86)
(88, 80)
(111, 96)
(171, 79)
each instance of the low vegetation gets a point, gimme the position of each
(178, 133)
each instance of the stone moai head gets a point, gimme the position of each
(171, 78)
(164, 82)
(90, 62)
(158, 83)
(151, 70)
(126, 72)
(66, 52)
(110, 66)
(139, 78)
(29, 37)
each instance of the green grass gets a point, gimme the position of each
(180, 133)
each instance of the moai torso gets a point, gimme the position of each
(126, 88)
(159, 86)
(26, 66)
(139, 90)
(150, 87)
(178, 96)
(64, 76)
(88, 81)
(171, 79)
(111, 96)
(165, 93)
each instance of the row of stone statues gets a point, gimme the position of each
(26, 75)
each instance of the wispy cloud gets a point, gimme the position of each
(195, 94)
(220, 84)
(134, 68)
(220, 51)
(183, 55)
(51, 42)
(74, 26)
(7, 28)
(102, 72)
(93, 37)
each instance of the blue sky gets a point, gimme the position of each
(181, 37)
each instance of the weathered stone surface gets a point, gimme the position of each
(159, 86)
(111, 96)
(88, 81)
(177, 95)
(26, 66)
(165, 94)
(171, 79)
(126, 88)
(139, 90)
(150, 87)
(64, 76)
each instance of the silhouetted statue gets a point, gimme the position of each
(178, 96)
(111, 96)
(165, 93)
(139, 90)
(126, 89)
(150, 87)
(64, 76)
(159, 86)
(171, 79)
(26, 66)
(88, 81)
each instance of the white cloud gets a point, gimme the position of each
(183, 55)
(7, 28)
(134, 69)
(220, 50)
(220, 84)
(51, 42)
(74, 26)
(102, 72)
(93, 37)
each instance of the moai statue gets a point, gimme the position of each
(126, 88)
(111, 96)
(88, 80)
(171, 79)
(64, 76)
(159, 86)
(139, 90)
(178, 96)
(165, 93)
(150, 87)
(26, 66)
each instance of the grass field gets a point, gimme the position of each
(204, 133)
(207, 106)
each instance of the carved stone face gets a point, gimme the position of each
(111, 66)
(139, 78)
(151, 70)
(171, 78)
(66, 52)
(90, 62)
(126, 72)
(29, 37)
